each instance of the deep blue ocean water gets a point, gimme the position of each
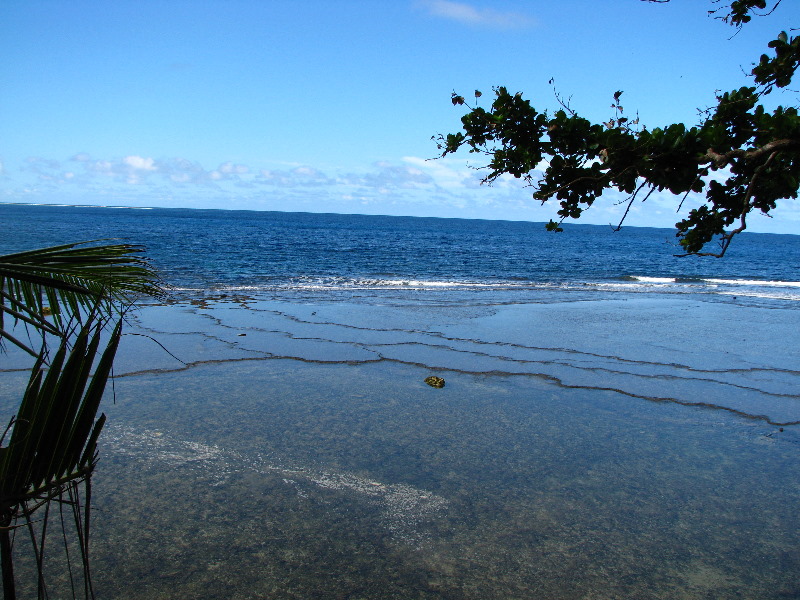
(223, 250)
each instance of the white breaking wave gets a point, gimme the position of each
(745, 288)
(755, 282)
(374, 284)
(716, 281)
(416, 283)
(654, 279)
(751, 288)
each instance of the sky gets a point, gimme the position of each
(330, 105)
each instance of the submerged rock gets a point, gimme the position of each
(434, 381)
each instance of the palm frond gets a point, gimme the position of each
(71, 292)
(49, 288)
(52, 449)
(54, 438)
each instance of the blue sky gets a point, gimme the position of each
(329, 106)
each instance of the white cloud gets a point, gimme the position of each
(230, 168)
(387, 176)
(462, 12)
(184, 171)
(297, 177)
(452, 174)
(228, 171)
(139, 163)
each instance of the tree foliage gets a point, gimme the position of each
(742, 157)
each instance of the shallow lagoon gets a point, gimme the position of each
(614, 448)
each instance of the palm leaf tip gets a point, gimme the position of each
(68, 281)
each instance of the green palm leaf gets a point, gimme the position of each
(55, 433)
(65, 282)
(68, 291)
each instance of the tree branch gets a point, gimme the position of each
(728, 237)
(722, 160)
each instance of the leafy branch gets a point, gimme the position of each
(742, 157)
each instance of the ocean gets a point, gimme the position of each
(616, 421)
(219, 250)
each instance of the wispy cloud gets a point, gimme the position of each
(411, 185)
(390, 176)
(447, 187)
(468, 14)
(297, 177)
(134, 169)
(411, 179)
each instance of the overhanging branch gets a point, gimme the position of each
(722, 160)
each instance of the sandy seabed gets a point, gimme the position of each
(622, 447)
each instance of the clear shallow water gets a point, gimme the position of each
(365, 482)
(655, 348)
(599, 436)
(291, 480)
